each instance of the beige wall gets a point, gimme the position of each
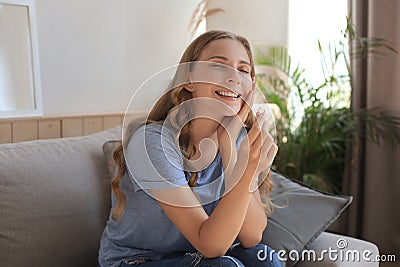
(261, 21)
(95, 53)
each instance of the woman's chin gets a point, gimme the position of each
(232, 112)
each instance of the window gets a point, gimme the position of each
(310, 21)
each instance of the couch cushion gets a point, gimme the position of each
(303, 214)
(54, 200)
(349, 252)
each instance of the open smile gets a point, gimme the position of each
(228, 94)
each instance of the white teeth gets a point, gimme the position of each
(230, 94)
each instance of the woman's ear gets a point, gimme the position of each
(189, 86)
(253, 79)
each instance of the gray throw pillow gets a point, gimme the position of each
(55, 200)
(303, 215)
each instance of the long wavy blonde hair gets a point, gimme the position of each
(172, 98)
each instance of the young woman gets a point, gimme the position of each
(179, 201)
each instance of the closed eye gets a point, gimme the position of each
(219, 65)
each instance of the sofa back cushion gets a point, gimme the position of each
(54, 200)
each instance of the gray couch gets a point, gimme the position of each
(55, 200)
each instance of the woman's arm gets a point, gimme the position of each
(256, 220)
(212, 236)
(254, 223)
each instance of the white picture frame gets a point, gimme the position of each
(37, 103)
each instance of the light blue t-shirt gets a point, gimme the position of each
(145, 231)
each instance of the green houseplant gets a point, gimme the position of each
(312, 145)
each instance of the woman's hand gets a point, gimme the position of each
(229, 130)
(258, 150)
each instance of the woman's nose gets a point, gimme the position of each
(233, 78)
(233, 81)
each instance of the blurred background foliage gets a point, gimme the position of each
(315, 124)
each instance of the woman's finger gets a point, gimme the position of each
(272, 153)
(268, 144)
(256, 129)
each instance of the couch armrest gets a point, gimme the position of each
(344, 257)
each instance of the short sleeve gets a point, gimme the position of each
(153, 160)
(242, 134)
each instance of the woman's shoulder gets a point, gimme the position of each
(153, 135)
(154, 129)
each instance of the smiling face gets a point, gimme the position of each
(225, 77)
